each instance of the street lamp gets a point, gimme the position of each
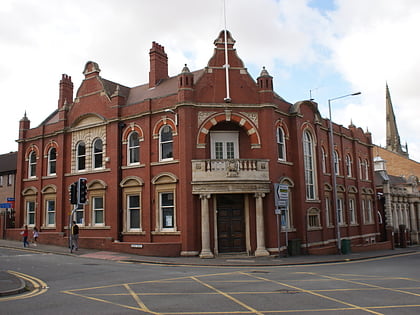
(333, 173)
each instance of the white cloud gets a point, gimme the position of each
(375, 43)
(358, 47)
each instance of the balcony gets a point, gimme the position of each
(232, 170)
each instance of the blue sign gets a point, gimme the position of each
(10, 199)
(5, 205)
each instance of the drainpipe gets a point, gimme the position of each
(120, 214)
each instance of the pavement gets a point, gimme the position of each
(11, 284)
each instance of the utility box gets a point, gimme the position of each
(345, 246)
(293, 247)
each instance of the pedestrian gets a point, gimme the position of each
(35, 235)
(25, 234)
(75, 238)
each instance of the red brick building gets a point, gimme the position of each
(186, 165)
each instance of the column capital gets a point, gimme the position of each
(259, 195)
(205, 196)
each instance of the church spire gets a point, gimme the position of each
(393, 142)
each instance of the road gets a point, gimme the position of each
(82, 285)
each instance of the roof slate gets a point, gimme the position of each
(8, 163)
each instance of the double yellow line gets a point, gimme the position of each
(37, 287)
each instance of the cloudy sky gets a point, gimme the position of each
(313, 48)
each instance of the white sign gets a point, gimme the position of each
(281, 195)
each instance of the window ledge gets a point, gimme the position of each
(164, 162)
(133, 166)
(134, 233)
(166, 233)
(97, 227)
(30, 179)
(49, 176)
(315, 228)
(284, 162)
(48, 228)
(92, 171)
(313, 201)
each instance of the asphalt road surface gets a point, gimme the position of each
(83, 285)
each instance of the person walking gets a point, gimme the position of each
(75, 237)
(35, 235)
(25, 234)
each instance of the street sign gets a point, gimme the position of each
(10, 199)
(6, 205)
(281, 195)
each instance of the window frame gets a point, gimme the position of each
(328, 215)
(340, 211)
(352, 211)
(52, 162)
(133, 148)
(130, 209)
(32, 164)
(336, 163)
(30, 212)
(81, 157)
(98, 156)
(79, 215)
(281, 144)
(323, 160)
(161, 208)
(349, 168)
(309, 165)
(314, 219)
(366, 169)
(163, 144)
(49, 212)
(96, 210)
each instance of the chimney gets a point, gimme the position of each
(158, 65)
(66, 91)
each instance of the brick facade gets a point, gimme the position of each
(175, 167)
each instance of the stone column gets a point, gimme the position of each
(205, 227)
(413, 221)
(389, 217)
(261, 250)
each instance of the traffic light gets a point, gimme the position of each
(82, 191)
(73, 193)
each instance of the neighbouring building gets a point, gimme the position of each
(397, 184)
(7, 190)
(186, 165)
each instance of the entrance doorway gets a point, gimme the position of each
(231, 223)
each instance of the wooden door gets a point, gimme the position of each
(231, 223)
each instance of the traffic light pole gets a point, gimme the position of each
(71, 227)
(78, 196)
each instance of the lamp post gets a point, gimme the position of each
(333, 173)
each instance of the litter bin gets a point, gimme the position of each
(345, 246)
(293, 247)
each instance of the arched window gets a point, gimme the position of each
(52, 161)
(81, 156)
(352, 210)
(366, 166)
(133, 148)
(165, 143)
(324, 160)
(313, 218)
(97, 154)
(32, 164)
(360, 168)
(348, 166)
(336, 163)
(308, 158)
(281, 144)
